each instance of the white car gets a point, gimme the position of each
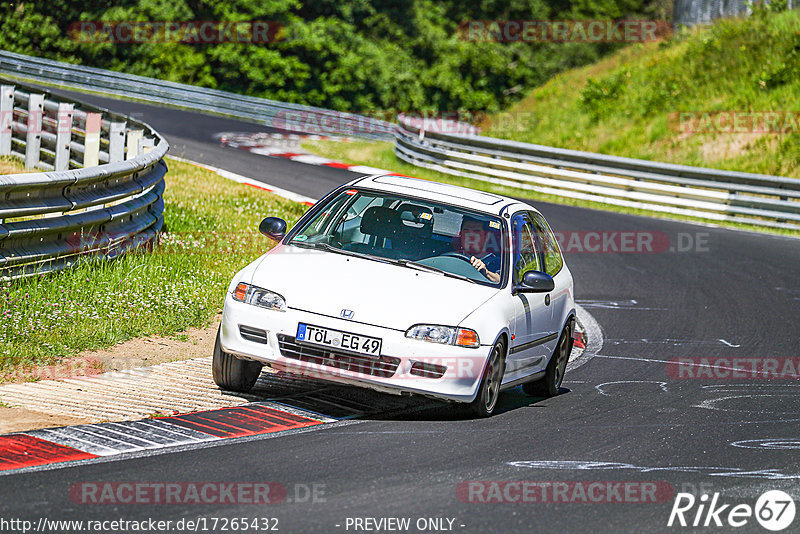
(405, 286)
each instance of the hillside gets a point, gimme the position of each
(727, 96)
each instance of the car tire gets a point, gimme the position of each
(550, 384)
(488, 393)
(231, 373)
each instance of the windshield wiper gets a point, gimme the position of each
(330, 248)
(422, 267)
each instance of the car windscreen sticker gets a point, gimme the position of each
(300, 237)
(301, 332)
(426, 216)
(494, 224)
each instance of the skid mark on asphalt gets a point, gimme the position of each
(734, 472)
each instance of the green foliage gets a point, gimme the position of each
(356, 55)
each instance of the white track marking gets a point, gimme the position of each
(599, 387)
(735, 472)
(779, 444)
(710, 404)
(689, 364)
(594, 333)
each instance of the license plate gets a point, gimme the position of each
(326, 337)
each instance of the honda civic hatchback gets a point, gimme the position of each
(405, 286)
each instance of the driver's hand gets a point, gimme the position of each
(481, 267)
(478, 264)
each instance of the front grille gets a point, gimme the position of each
(253, 334)
(384, 367)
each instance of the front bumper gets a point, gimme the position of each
(460, 381)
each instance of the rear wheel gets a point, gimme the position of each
(549, 385)
(231, 373)
(486, 401)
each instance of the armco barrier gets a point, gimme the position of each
(100, 194)
(756, 199)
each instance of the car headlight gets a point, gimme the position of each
(446, 335)
(258, 296)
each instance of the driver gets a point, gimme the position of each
(482, 245)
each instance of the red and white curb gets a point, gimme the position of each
(285, 193)
(311, 159)
(237, 139)
(85, 442)
(277, 146)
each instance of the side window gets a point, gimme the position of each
(318, 226)
(526, 252)
(553, 261)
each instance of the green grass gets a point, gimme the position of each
(381, 154)
(629, 103)
(212, 232)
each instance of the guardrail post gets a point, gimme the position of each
(91, 145)
(6, 118)
(63, 136)
(33, 139)
(116, 142)
(146, 145)
(133, 143)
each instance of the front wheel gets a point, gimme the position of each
(231, 373)
(554, 374)
(486, 400)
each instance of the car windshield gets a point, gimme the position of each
(417, 234)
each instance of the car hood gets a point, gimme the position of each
(378, 293)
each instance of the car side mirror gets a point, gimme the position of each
(273, 228)
(536, 282)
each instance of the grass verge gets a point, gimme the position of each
(211, 233)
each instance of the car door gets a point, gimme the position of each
(533, 319)
(553, 265)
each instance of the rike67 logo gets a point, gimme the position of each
(774, 510)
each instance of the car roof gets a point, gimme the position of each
(447, 193)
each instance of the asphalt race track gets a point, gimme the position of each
(625, 416)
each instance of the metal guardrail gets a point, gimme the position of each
(101, 194)
(281, 115)
(718, 195)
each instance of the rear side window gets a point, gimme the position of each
(553, 261)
